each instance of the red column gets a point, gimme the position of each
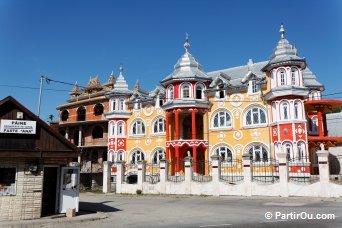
(176, 112)
(193, 123)
(194, 155)
(177, 158)
(320, 123)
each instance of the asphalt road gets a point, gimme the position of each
(202, 211)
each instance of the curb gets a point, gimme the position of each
(53, 221)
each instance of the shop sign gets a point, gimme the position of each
(18, 126)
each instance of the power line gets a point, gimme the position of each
(35, 88)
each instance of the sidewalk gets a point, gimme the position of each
(88, 212)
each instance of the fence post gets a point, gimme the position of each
(187, 174)
(120, 175)
(163, 175)
(247, 174)
(107, 165)
(283, 174)
(141, 174)
(216, 173)
(323, 166)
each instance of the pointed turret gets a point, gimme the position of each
(75, 91)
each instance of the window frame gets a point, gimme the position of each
(136, 155)
(259, 112)
(158, 121)
(141, 130)
(222, 113)
(158, 154)
(261, 158)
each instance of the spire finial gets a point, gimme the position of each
(186, 44)
(121, 70)
(282, 31)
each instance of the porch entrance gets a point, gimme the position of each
(49, 197)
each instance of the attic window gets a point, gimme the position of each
(161, 102)
(221, 92)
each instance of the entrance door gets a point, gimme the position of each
(70, 190)
(49, 191)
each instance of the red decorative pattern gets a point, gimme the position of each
(189, 143)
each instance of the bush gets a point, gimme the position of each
(139, 192)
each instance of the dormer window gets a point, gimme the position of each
(221, 91)
(161, 102)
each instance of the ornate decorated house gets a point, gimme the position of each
(83, 123)
(257, 109)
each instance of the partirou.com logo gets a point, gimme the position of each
(303, 215)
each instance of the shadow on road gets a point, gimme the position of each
(89, 208)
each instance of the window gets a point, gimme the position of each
(258, 153)
(255, 86)
(81, 114)
(161, 102)
(159, 126)
(112, 128)
(282, 78)
(113, 105)
(137, 156)
(122, 104)
(255, 116)
(64, 115)
(288, 151)
(285, 111)
(301, 151)
(221, 92)
(98, 109)
(158, 155)
(314, 125)
(199, 91)
(170, 95)
(222, 120)
(121, 128)
(225, 153)
(97, 132)
(138, 128)
(7, 181)
(296, 110)
(138, 104)
(186, 91)
(293, 76)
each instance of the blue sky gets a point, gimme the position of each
(75, 40)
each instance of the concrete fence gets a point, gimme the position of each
(277, 182)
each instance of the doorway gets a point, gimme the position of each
(49, 191)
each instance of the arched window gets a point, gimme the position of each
(138, 128)
(121, 128)
(274, 112)
(222, 119)
(98, 109)
(170, 93)
(282, 77)
(258, 153)
(64, 115)
(285, 111)
(97, 132)
(293, 76)
(297, 110)
(112, 128)
(288, 151)
(159, 126)
(199, 91)
(113, 104)
(122, 104)
(137, 156)
(158, 155)
(301, 154)
(314, 125)
(255, 116)
(225, 153)
(81, 114)
(185, 91)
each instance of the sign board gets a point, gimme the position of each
(18, 126)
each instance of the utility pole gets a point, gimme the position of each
(40, 93)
